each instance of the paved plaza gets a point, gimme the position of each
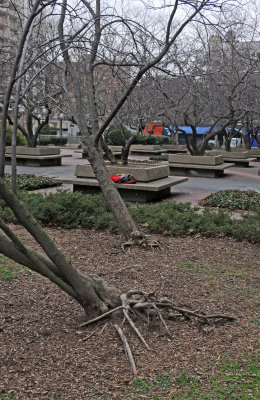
(193, 190)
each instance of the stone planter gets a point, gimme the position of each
(241, 158)
(142, 173)
(255, 152)
(153, 182)
(35, 156)
(34, 151)
(197, 166)
(116, 148)
(231, 154)
(199, 160)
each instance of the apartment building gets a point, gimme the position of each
(12, 17)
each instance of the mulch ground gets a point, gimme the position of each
(43, 351)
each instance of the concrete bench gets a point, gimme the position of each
(35, 156)
(197, 166)
(239, 158)
(146, 149)
(153, 182)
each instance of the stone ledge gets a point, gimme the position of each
(36, 161)
(241, 160)
(230, 154)
(207, 171)
(174, 147)
(116, 148)
(201, 166)
(46, 157)
(254, 151)
(188, 159)
(153, 186)
(141, 192)
(145, 147)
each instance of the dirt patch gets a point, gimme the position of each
(43, 354)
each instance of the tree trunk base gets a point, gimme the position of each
(137, 238)
(100, 296)
(137, 304)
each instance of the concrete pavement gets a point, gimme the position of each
(192, 191)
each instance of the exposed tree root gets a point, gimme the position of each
(141, 240)
(138, 304)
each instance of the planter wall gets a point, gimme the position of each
(199, 160)
(34, 151)
(231, 154)
(148, 147)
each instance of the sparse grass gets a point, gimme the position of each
(256, 321)
(234, 380)
(189, 265)
(8, 269)
(9, 396)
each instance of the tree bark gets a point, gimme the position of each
(115, 203)
(91, 292)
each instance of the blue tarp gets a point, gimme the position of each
(201, 130)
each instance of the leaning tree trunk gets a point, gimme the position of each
(91, 292)
(126, 149)
(227, 144)
(114, 201)
(108, 152)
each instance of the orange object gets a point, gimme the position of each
(156, 129)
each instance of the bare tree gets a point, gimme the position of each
(82, 48)
(215, 84)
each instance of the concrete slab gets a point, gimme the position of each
(35, 161)
(141, 192)
(207, 171)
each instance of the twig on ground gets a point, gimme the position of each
(126, 348)
(100, 316)
(162, 320)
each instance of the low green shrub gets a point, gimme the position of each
(234, 200)
(46, 130)
(151, 139)
(20, 139)
(168, 218)
(69, 210)
(56, 141)
(160, 140)
(32, 182)
(116, 136)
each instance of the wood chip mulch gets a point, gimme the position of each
(43, 351)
